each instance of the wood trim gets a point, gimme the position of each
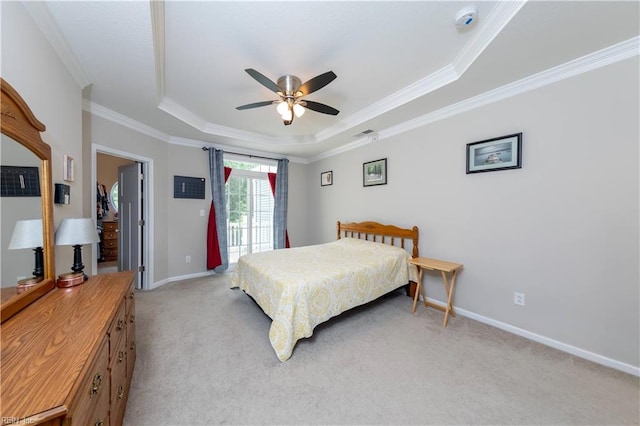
(48, 349)
(378, 232)
(18, 122)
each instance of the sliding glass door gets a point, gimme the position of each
(249, 213)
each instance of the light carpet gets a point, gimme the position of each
(204, 358)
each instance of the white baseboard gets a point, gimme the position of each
(180, 278)
(564, 347)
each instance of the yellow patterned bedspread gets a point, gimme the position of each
(302, 287)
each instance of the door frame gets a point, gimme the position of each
(147, 211)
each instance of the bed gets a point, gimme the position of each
(299, 288)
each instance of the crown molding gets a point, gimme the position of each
(193, 143)
(492, 25)
(183, 114)
(123, 120)
(186, 116)
(44, 21)
(158, 32)
(607, 56)
(360, 142)
(425, 85)
(499, 17)
(491, 28)
(616, 53)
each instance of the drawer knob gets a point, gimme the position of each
(132, 318)
(99, 422)
(122, 355)
(120, 324)
(95, 386)
(131, 295)
(120, 391)
(133, 346)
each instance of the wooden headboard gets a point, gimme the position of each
(386, 234)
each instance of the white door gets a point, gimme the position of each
(130, 223)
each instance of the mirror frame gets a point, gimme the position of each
(19, 123)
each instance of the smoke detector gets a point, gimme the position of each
(466, 17)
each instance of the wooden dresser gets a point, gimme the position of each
(67, 359)
(110, 241)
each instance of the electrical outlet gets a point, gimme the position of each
(518, 299)
(188, 259)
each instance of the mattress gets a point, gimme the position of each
(302, 287)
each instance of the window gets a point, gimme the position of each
(249, 203)
(114, 197)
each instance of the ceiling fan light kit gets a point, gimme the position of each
(291, 90)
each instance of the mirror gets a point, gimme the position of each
(19, 125)
(20, 201)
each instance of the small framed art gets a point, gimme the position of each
(501, 153)
(326, 178)
(374, 173)
(67, 168)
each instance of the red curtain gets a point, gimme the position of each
(272, 182)
(214, 259)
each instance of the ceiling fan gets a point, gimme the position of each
(290, 90)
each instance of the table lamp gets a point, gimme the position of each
(75, 232)
(28, 234)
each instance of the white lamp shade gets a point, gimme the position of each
(76, 231)
(282, 108)
(288, 115)
(298, 110)
(26, 234)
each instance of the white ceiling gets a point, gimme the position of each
(177, 68)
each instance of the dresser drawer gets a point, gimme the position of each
(101, 414)
(131, 341)
(117, 331)
(110, 235)
(93, 397)
(119, 382)
(110, 244)
(130, 299)
(110, 226)
(110, 255)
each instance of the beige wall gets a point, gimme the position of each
(100, 132)
(32, 67)
(563, 230)
(187, 230)
(187, 233)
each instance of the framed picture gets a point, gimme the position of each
(67, 169)
(374, 173)
(326, 178)
(501, 153)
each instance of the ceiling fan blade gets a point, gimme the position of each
(255, 105)
(317, 82)
(263, 80)
(318, 107)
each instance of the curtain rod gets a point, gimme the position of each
(206, 148)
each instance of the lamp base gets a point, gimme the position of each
(27, 283)
(70, 279)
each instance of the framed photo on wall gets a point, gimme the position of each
(67, 169)
(502, 153)
(326, 178)
(374, 173)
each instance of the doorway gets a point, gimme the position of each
(109, 255)
(107, 211)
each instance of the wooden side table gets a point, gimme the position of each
(449, 284)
